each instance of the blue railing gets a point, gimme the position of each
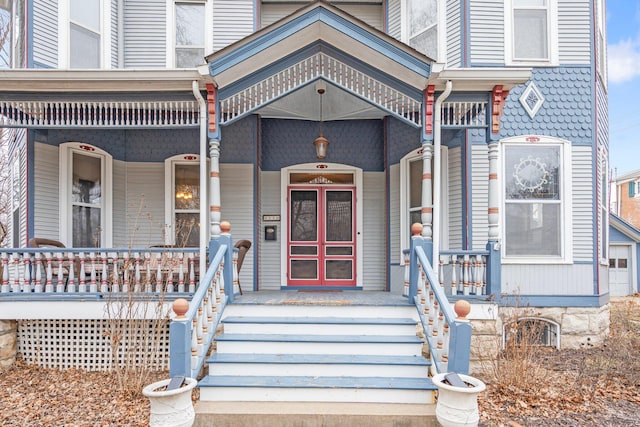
(192, 330)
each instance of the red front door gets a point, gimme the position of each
(321, 236)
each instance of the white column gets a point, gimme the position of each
(427, 196)
(494, 193)
(214, 188)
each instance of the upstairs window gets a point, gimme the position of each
(84, 33)
(531, 35)
(190, 34)
(421, 24)
(634, 188)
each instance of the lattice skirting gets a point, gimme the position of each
(86, 344)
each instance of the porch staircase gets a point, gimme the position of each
(323, 363)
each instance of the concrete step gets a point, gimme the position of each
(319, 325)
(333, 310)
(317, 389)
(317, 365)
(388, 345)
(313, 414)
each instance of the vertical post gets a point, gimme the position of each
(426, 213)
(224, 239)
(460, 339)
(494, 193)
(494, 270)
(416, 240)
(215, 213)
(180, 340)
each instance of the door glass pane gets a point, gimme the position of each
(86, 227)
(304, 250)
(339, 250)
(339, 269)
(612, 263)
(187, 187)
(87, 174)
(415, 184)
(339, 216)
(304, 269)
(304, 214)
(187, 229)
(622, 263)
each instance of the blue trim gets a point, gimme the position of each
(465, 30)
(31, 183)
(334, 338)
(387, 383)
(386, 132)
(319, 13)
(288, 320)
(29, 35)
(256, 202)
(554, 300)
(315, 359)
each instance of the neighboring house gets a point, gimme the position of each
(624, 242)
(144, 123)
(626, 190)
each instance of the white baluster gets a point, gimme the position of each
(125, 272)
(159, 273)
(192, 273)
(181, 272)
(93, 284)
(407, 269)
(71, 280)
(27, 285)
(104, 275)
(170, 272)
(60, 278)
(115, 286)
(38, 276)
(194, 343)
(49, 286)
(147, 264)
(466, 276)
(5, 273)
(136, 287)
(15, 287)
(454, 284)
(82, 276)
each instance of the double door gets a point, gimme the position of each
(321, 244)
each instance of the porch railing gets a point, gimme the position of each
(446, 329)
(195, 323)
(65, 271)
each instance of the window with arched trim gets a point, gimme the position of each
(182, 205)
(531, 331)
(85, 196)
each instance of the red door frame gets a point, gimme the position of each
(320, 243)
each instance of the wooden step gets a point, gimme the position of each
(319, 325)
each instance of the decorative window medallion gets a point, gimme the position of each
(531, 99)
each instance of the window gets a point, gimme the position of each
(189, 37)
(531, 35)
(85, 196)
(411, 196)
(84, 33)
(421, 26)
(535, 200)
(183, 210)
(15, 202)
(603, 201)
(601, 40)
(529, 332)
(634, 188)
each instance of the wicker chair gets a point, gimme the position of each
(243, 247)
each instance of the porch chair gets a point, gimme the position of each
(243, 247)
(40, 242)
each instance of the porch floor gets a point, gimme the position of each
(315, 297)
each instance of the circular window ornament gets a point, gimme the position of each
(530, 174)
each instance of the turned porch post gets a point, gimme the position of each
(214, 188)
(426, 217)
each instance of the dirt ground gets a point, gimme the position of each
(598, 386)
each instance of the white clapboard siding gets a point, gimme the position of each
(374, 232)
(144, 204)
(236, 198)
(145, 33)
(479, 195)
(582, 200)
(45, 32)
(455, 198)
(46, 194)
(115, 34)
(270, 252)
(487, 31)
(232, 21)
(119, 201)
(547, 279)
(394, 18)
(454, 34)
(372, 14)
(394, 215)
(574, 31)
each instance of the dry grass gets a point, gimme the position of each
(597, 386)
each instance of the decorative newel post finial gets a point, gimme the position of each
(416, 229)
(180, 308)
(462, 309)
(225, 226)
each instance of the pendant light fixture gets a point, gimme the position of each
(321, 142)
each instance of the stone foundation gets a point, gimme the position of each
(8, 343)
(579, 327)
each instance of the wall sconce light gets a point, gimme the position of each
(321, 143)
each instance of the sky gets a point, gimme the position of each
(623, 34)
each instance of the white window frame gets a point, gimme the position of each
(552, 37)
(169, 185)
(601, 42)
(66, 181)
(64, 34)
(565, 187)
(603, 211)
(171, 29)
(441, 42)
(405, 192)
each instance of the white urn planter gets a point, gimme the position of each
(172, 408)
(458, 406)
